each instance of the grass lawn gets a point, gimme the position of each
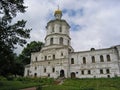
(69, 84)
(87, 84)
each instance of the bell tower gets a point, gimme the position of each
(57, 32)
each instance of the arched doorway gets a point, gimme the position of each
(62, 74)
(73, 75)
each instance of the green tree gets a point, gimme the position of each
(24, 57)
(33, 46)
(11, 34)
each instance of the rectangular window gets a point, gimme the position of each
(53, 57)
(44, 70)
(82, 72)
(107, 71)
(72, 60)
(89, 72)
(101, 71)
(45, 57)
(53, 70)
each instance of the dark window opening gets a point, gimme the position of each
(36, 58)
(45, 57)
(61, 40)
(72, 60)
(44, 70)
(35, 68)
(60, 29)
(53, 70)
(84, 60)
(82, 72)
(108, 58)
(53, 56)
(89, 72)
(35, 74)
(61, 54)
(51, 41)
(101, 71)
(101, 59)
(93, 59)
(48, 75)
(107, 71)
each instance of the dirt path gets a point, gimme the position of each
(32, 88)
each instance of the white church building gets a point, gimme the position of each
(58, 59)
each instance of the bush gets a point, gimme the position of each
(2, 78)
(39, 88)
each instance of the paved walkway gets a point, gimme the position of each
(32, 88)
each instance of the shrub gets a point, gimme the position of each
(2, 78)
(39, 87)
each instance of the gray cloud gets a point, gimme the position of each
(100, 20)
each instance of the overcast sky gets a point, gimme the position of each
(94, 23)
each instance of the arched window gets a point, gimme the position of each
(35, 74)
(61, 40)
(60, 28)
(53, 57)
(93, 59)
(44, 70)
(108, 58)
(45, 57)
(51, 41)
(53, 29)
(68, 42)
(72, 60)
(107, 71)
(82, 72)
(101, 71)
(89, 72)
(53, 70)
(84, 60)
(101, 58)
(36, 58)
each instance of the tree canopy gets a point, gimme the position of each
(33, 46)
(11, 34)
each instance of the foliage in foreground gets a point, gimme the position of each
(69, 84)
(22, 82)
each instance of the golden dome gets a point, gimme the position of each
(58, 12)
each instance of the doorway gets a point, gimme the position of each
(73, 75)
(62, 74)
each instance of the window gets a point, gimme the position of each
(68, 42)
(107, 71)
(61, 54)
(35, 68)
(108, 58)
(45, 57)
(36, 58)
(51, 41)
(89, 72)
(53, 70)
(48, 75)
(101, 58)
(53, 56)
(84, 60)
(53, 29)
(61, 40)
(44, 70)
(82, 72)
(101, 71)
(72, 60)
(35, 74)
(60, 28)
(93, 59)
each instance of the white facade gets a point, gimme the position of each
(58, 59)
